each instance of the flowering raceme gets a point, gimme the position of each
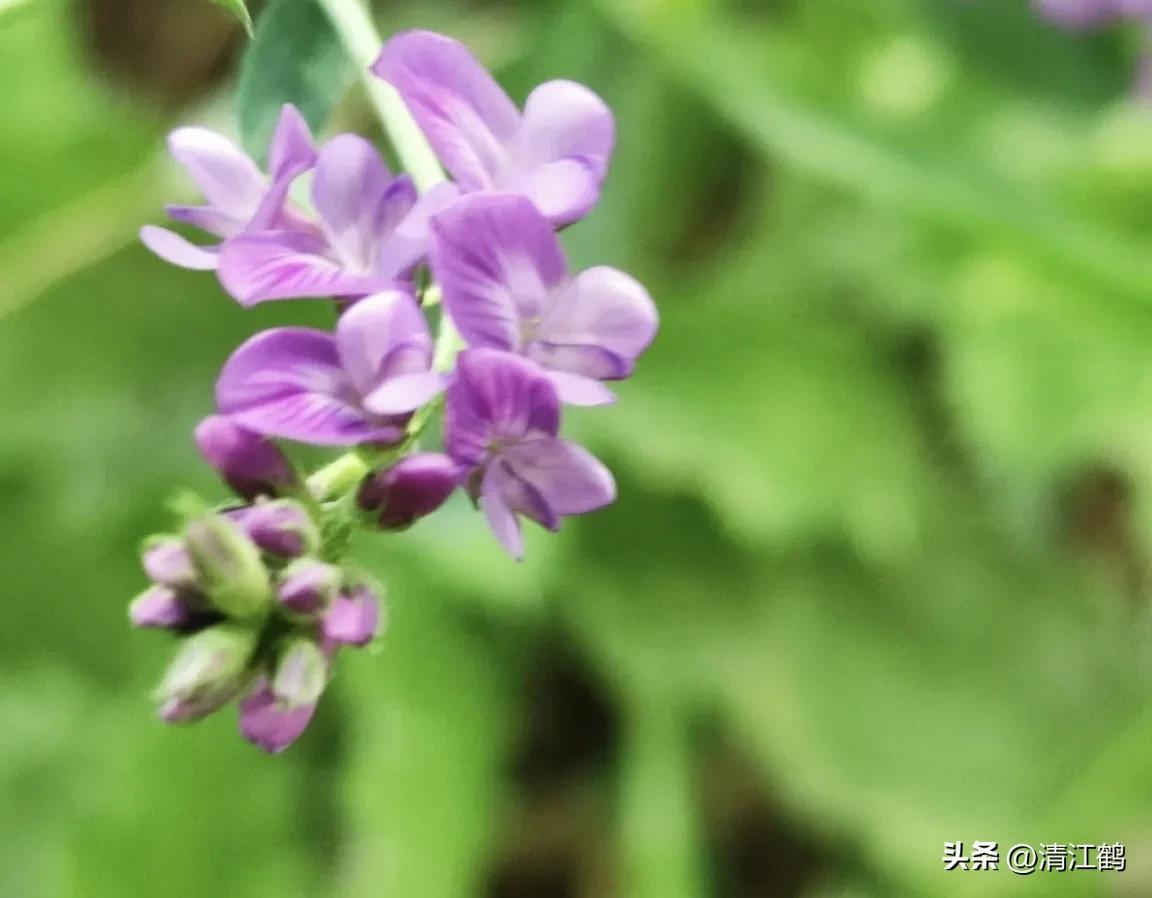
(260, 589)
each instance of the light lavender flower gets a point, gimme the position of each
(501, 424)
(239, 196)
(506, 285)
(372, 231)
(556, 152)
(357, 386)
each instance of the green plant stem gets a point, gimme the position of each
(363, 43)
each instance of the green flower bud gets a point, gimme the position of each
(301, 673)
(230, 567)
(210, 668)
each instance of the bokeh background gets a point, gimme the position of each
(878, 577)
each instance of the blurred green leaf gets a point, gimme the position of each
(295, 57)
(240, 10)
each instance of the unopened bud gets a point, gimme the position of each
(307, 586)
(166, 561)
(249, 463)
(231, 570)
(210, 668)
(265, 721)
(301, 673)
(354, 617)
(281, 528)
(412, 488)
(160, 607)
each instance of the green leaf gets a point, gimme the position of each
(239, 10)
(295, 57)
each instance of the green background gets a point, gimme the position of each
(878, 576)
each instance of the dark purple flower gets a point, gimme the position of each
(249, 463)
(282, 528)
(357, 386)
(501, 423)
(373, 230)
(410, 489)
(506, 285)
(556, 152)
(307, 587)
(240, 197)
(354, 618)
(266, 722)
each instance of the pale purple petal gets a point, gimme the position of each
(499, 515)
(370, 331)
(227, 177)
(291, 149)
(409, 244)
(575, 389)
(406, 393)
(287, 265)
(568, 478)
(206, 218)
(495, 395)
(288, 383)
(176, 250)
(463, 112)
(267, 723)
(497, 262)
(597, 326)
(563, 149)
(358, 200)
(353, 618)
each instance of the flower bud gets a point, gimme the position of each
(281, 528)
(166, 561)
(307, 586)
(354, 617)
(210, 668)
(266, 722)
(248, 462)
(229, 564)
(301, 673)
(160, 607)
(412, 488)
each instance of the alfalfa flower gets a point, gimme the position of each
(358, 385)
(239, 197)
(506, 285)
(555, 152)
(501, 425)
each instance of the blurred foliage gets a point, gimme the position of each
(878, 574)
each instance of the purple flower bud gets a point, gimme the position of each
(307, 586)
(412, 488)
(249, 463)
(266, 722)
(210, 668)
(160, 607)
(281, 528)
(166, 561)
(229, 564)
(301, 674)
(354, 617)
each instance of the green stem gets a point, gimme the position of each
(339, 477)
(363, 43)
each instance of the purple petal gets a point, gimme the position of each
(597, 326)
(566, 476)
(289, 383)
(1078, 13)
(248, 462)
(463, 112)
(406, 393)
(412, 488)
(174, 249)
(227, 177)
(496, 396)
(160, 607)
(575, 389)
(372, 329)
(266, 723)
(409, 244)
(354, 618)
(287, 265)
(563, 148)
(206, 218)
(358, 200)
(498, 263)
(499, 515)
(292, 149)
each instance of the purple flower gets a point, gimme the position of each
(267, 722)
(556, 152)
(249, 463)
(239, 196)
(357, 386)
(506, 285)
(1091, 13)
(410, 489)
(160, 607)
(373, 230)
(501, 422)
(354, 618)
(282, 528)
(308, 587)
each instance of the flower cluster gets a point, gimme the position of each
(260, 590)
